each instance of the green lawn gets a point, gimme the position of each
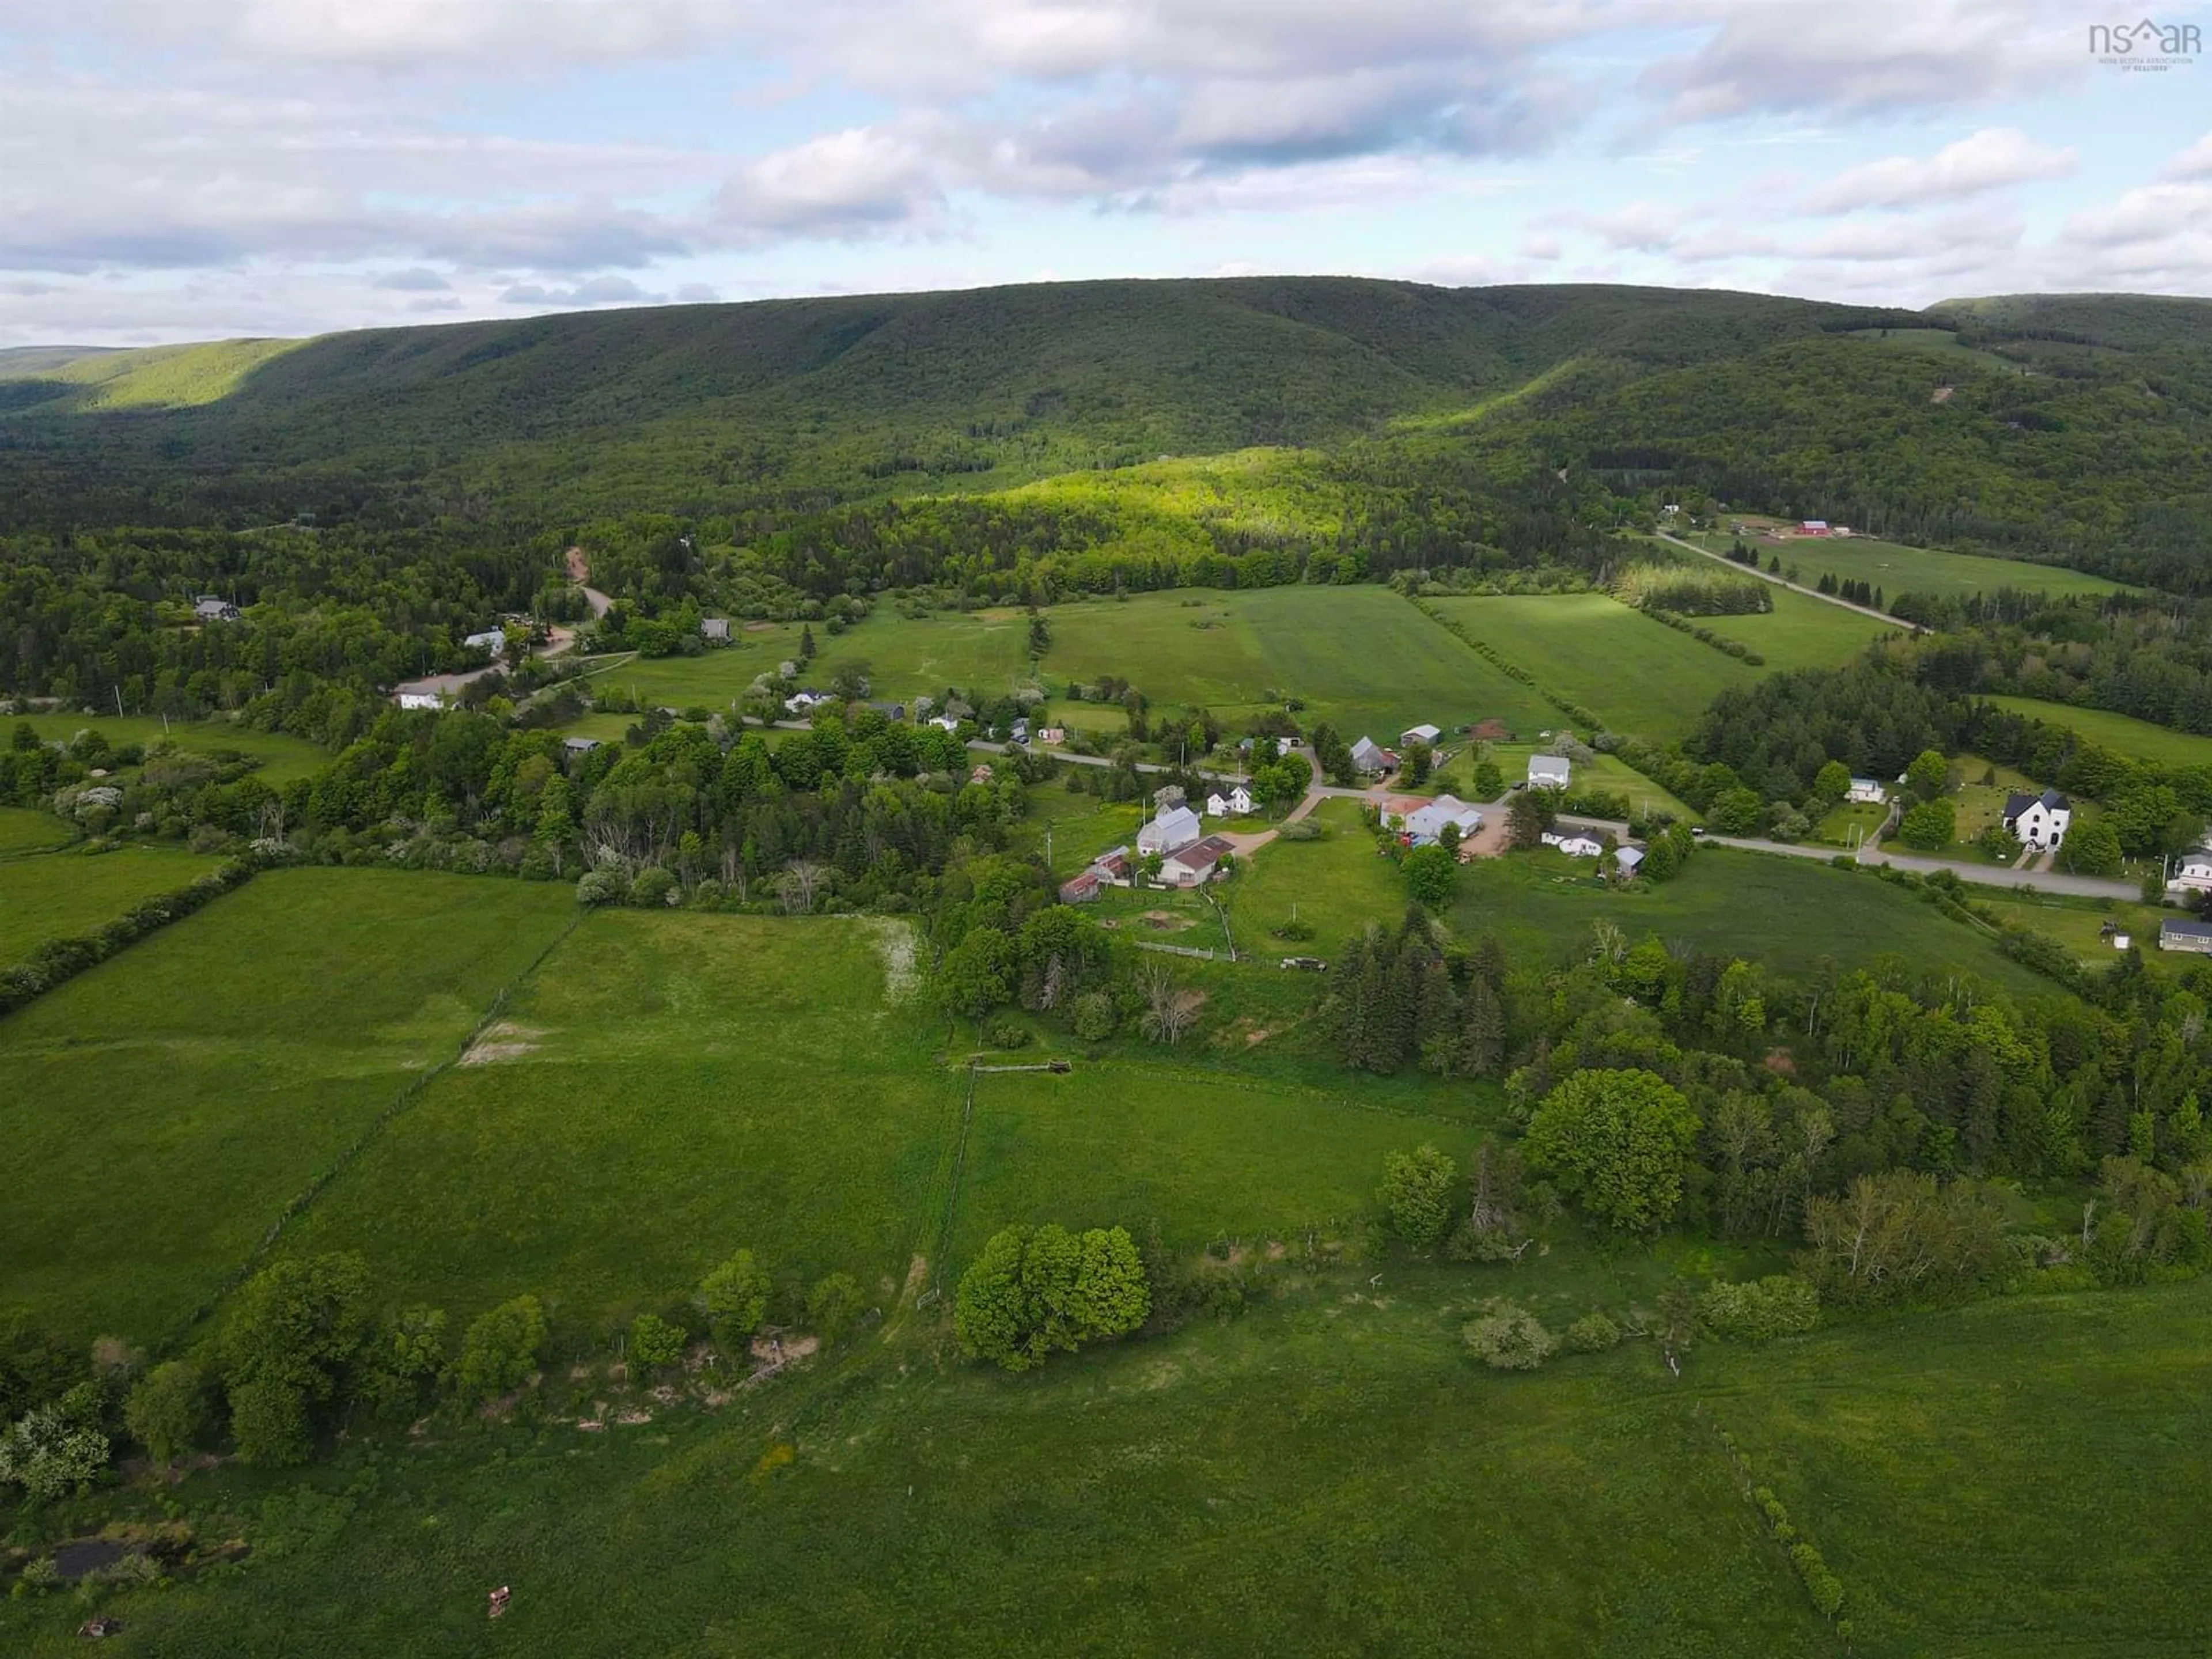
(1606, 772)
(1640, 677)
(678, 1086)
(2121, 733)
(24, 830)
(2078, 923)
(283, 756)
(1337, 885)
(69, 895)
(1895, 569)
(162, 1108)
(1081, 825)
(1364, 660)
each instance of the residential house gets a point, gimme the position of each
(1081, 889)
(1549, 772)
(580, 745)
(1175, 829)
(1196, 864)
(210, 608)
(1019, 732)
(715, 631)
(2195, 875)
(1867, 790)
(1052, 736)
(2185, 936)
(1413, 734)
(1424, 824)
(1370, 758)
(408, 699)
(1574, 844)
(493, 640)
(1237, 802)
(894, 712)
(805, 700)
(945, 723)
(2039, 820)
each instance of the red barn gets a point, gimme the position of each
(1813, 527)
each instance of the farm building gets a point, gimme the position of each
(1173, 829)
(1369, 757)
(493, 640)
(209, 608)
(2185, 936)
(1196, 864)
(1424, 824)
(1237, 802)
(1867, 790)
(715, 631)
(1628, 860)
(580, 745)
(2039, 820)
(890, 711)
(1813, 527)
(1413, 734)
(1113, 868)
(1082, 889)
(1549, 772)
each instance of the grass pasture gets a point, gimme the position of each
(69, 895)
(23, 830)
(162, 1108)
(283, 756)
(665, 1090)
(1364, 659)
(1637, 675)
(1896, 568)
(2123, 734)
(1802, 632)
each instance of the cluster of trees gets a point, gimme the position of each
(1399, 999)
(306, 1348)
(1035, 1292)
(1688, 591)
(1846, 587)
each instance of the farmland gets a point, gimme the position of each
(1364, 659)
(2121, 733)
(282, 758)
(1801, 632)
(1896, 568)
(187, 1090)
(1639, 677)
(24, 830)
(69, 895)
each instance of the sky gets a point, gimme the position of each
(194, 169)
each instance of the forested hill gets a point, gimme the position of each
(696, 406)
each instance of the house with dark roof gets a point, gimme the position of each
(2185, 936)
(2040, 821)
(209, 608)
(1081, 889)
(1196, 865)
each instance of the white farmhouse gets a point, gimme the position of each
(1424, 824)
(2195, 875)
(1235, 803)
(1867, 790)
(2040, 821)
(1549, 772)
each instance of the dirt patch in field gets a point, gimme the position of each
(759, 628)
(1941, 394)
(1165, 921)
(505, 1040)
(895, 941)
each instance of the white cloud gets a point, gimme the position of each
(598, 291)
(845, 183)
(1990, 159)
(2195, 162)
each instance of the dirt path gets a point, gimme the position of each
(579, 572)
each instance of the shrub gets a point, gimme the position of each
(832, 1304)
(1007, 1032)
(1417, 1192)
(654, 1342)
(166, 1411)
(1509, 1338)
(653, 887)
(268, 1421)
(52, 1448)
(1760, 1310)
(1593, 1333)
(1094, 1016)
(603, 886)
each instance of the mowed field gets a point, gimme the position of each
(1896, 568)
(162, 1109)
(1364, 660)
(664, 1091)
(69, 895)
(1328, 1475)
(2123, 734)
(1640, 678)
(283, 756)
(1802, 632)
(24, 830)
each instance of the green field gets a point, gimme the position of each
(1939, 343)
(1328, 1475)
(1640, 678)
(163, 1108)
(1801, 632)
(1364, 659)
(2121, 733)
(1895, 569)
(69, 895)
(24, 830)
(283, 756)
(663, 1092)
(2078, 923)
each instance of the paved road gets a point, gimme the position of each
(1779, 581)
(1985, 875)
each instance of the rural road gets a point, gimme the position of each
(1985, 875)
(579, 572)
(1779, 581)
